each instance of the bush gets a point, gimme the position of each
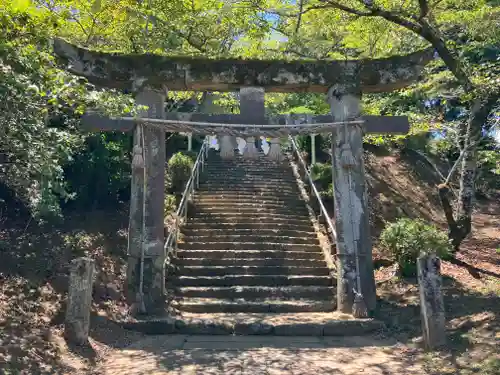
(407, 239)
(179, 167)
(322, 175)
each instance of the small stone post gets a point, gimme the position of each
(431, 301)
(190, 142)
(351, 204)
(77, 323)
(313, 149)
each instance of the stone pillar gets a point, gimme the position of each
(147, 187)
(351, 206)
(77, 323)
(190, 142)
(227, 145)
(252, 108)
(431, 301)
(251, 151)
(275, 153)
(313, 149)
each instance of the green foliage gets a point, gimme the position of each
(407, 239)
(40, 107)
(99, 175)
(45, 159)
(180, 166)
(491, 366)
(322, 175)
(169, 206)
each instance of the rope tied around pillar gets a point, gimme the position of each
(138, 150)
(347, 158)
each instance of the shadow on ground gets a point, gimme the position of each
(34, 279)
(262, 355)
(473, 321)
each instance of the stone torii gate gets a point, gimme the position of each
(343, 82)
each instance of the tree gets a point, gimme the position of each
(40, 107)
(452, 28)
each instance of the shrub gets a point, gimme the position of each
(407, 239)
(179, 167)
(322, 175)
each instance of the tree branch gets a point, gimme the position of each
(422, 28)
(299, 17)
(424, 8)
(374, 11)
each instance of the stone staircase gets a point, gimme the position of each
(249, 245)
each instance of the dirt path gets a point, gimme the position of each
(255, 355)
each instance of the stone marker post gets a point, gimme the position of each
(77, 323)
(431, 301)
(350, 199)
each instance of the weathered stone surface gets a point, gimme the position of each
(372, 124)
(352, 327)
(146, 232)
(301, 324)
(299, 329)
(200, 74)
(431, 301)
(252, 105)
(351, 206)
(203, 327)
(77, 323)
(151, 326)
(254, 328)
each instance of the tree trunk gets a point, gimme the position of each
(460, 222)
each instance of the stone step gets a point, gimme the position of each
(249, 254)
(230, 324)
(222, 203)
(215, 305)
(207, 199)
(221, 187)
(250, 181)
(247, 163)
(250, 217)
(269, 192)
(246, 238)
(276, 190)
(191, 245)
(251, 178)
(228, 184)
(252, 210)
(251, 270)
(242, 262)
(252, 280)
(262, 231)
(196, 224)
(272, 172)
(263, 173)
(222, 221)
(255, 292)
(247, 195)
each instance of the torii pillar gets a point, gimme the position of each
(354, 247)
(146, 234)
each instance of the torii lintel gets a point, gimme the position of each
(124, 71)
